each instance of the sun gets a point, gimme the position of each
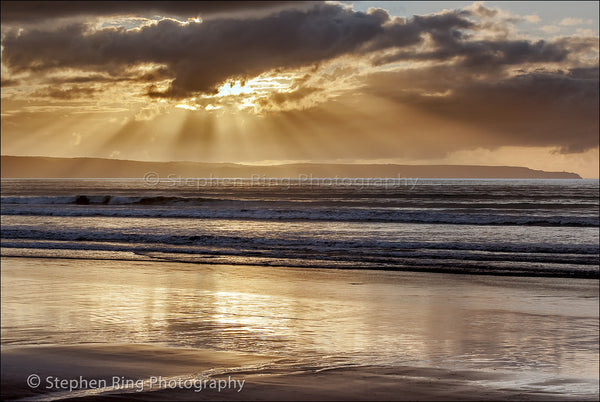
(247, 95)
(234, 88)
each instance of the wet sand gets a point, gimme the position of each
(295, 334)
(261, 381)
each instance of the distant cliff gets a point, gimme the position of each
(42, 167)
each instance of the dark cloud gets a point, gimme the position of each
(67, 93)
(482, 11)
(9, 83)
(584, 73)
(82, 79)
(450, 39)
(535, 109)
(487, 54)
(157, 74)
(442, 28)
(35, 11)
(201, 55)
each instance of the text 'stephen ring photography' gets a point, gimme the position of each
(345, 200)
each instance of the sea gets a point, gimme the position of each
(491, 276)
(499, 227)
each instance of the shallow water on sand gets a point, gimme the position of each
(537, 330)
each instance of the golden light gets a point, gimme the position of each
(240, 95)
(186, 106)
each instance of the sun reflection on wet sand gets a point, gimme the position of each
(364, 317)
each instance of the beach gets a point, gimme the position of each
(294, 333)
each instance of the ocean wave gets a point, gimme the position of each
(519, 265)
(139, 208)
(116, 239)
(102, 200)
(434, 200)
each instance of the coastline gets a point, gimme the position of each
(19, 167)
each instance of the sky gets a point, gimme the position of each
(475, 83)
